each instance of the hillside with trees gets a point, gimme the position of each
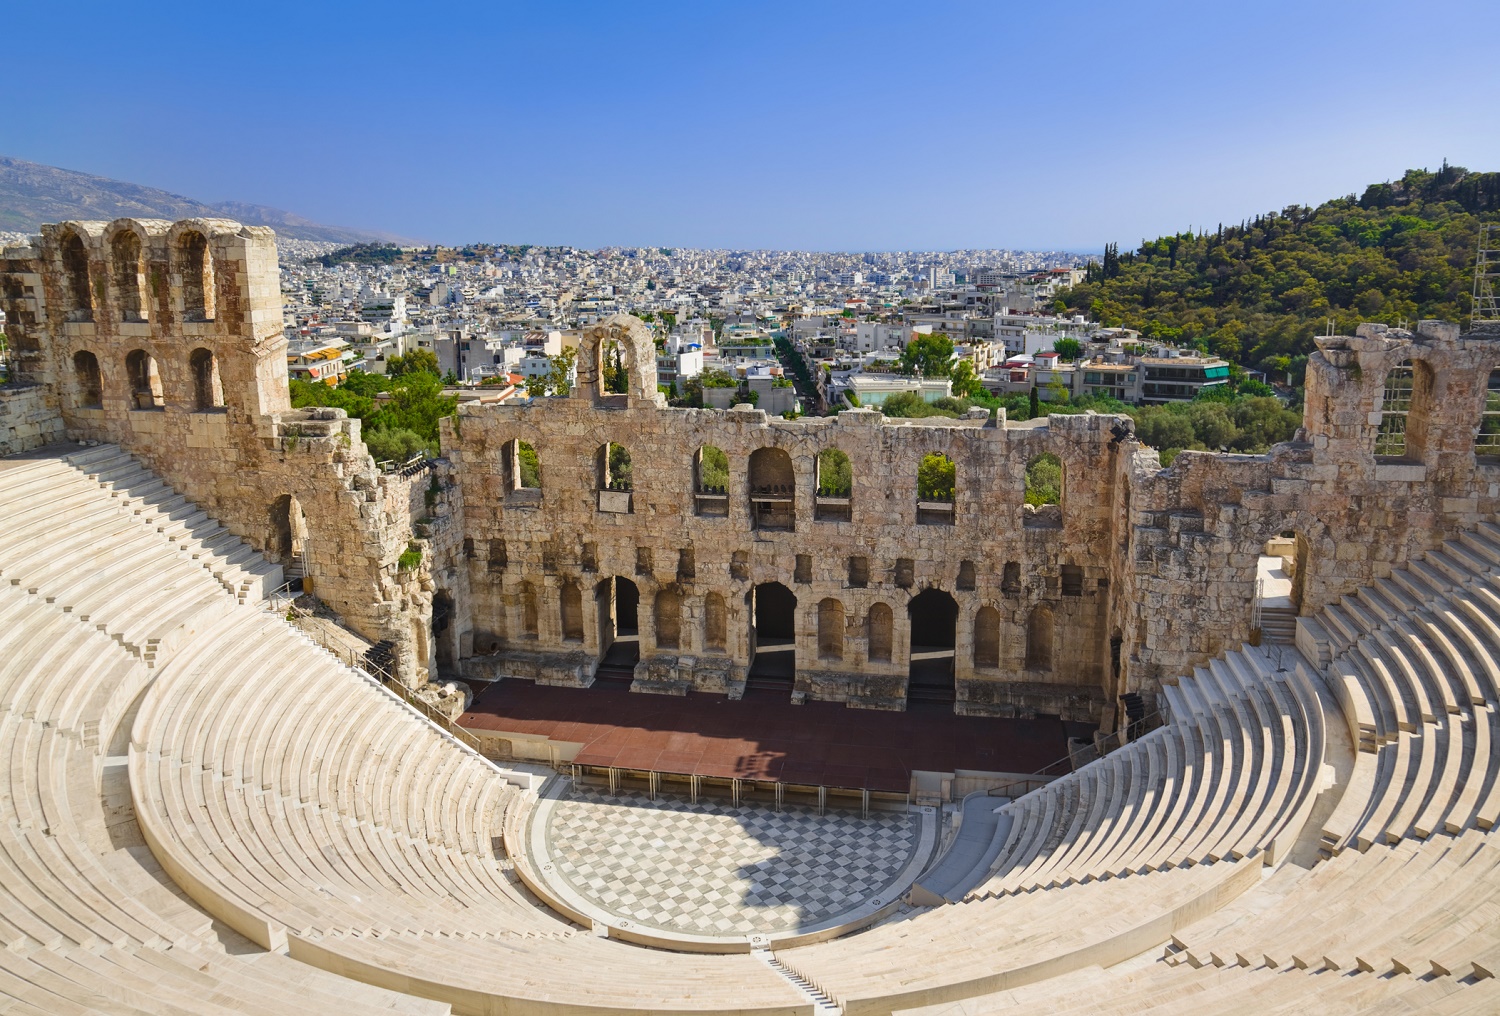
(1257, 292)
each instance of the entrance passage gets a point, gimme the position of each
(618, 602)
(773, 666)
(287, 545)
(934, 635)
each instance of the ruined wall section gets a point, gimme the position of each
(1198, 527)
(166, 339)
(30, 412)
(522, 547)
(29, 418)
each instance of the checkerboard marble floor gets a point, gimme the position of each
(715, 869)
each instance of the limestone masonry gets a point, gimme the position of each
(166, 338)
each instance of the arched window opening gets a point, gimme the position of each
(571, 610)
(934, 637)
(937, 485)
(711, 482)
(715, 623)
(129, 272)
(145, 381)
(835, 487)
(529, 624)
(987, 637)
(830, 630)
(1487, 440)
(668, 618)
(879, 625)
(1039, 638)
(522, 467)
(79, 293)
(1044, 480)
(287, 545)
(773, 489)
(86, 376)
(614, 368)
(197, 278)
(208, 389)
(1395, 411)
(615, 478)
(614, 468)
(1044, 492)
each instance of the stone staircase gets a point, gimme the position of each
(1278, 625)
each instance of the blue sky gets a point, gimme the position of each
(792, 125)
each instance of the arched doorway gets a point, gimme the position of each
(773, 665)
(934, 636)
(618, 602)
(288, 543)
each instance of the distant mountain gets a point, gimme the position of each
(31, 194)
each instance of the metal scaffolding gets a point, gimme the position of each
(1487, 275)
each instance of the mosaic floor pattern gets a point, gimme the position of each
(715, 869)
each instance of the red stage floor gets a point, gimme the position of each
(766, 738)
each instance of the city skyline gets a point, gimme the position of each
(819, 128)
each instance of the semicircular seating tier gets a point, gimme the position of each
(187, 772)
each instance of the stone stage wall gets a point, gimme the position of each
(1139, 575)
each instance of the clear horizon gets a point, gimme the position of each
(858, 128)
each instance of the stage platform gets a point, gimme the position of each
(765, 737)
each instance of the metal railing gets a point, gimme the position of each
(410, 467)
(362, 662)
(1133, 730)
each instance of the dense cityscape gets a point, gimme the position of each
(851, 329)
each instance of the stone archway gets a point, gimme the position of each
(773, 663)
(638, 351)
(934, 637)
(617, 601)
(287, 544)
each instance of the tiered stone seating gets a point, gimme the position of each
(1414, 665)
(1159, 988)
(298, 802)
(89, 925)
(301, 803)
(1232, 776)
(135, 566)
(1408, 921)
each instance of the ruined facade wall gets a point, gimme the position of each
(167, 340)
(524, 547)
(1160, 562)
(1197, 528)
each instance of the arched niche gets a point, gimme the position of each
(831, 629)
(128, 268)
(879, 629)
(1039, 637)
(195, 267)
(77, 288)
(87, 381)
(145, 380)
(208, 387)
